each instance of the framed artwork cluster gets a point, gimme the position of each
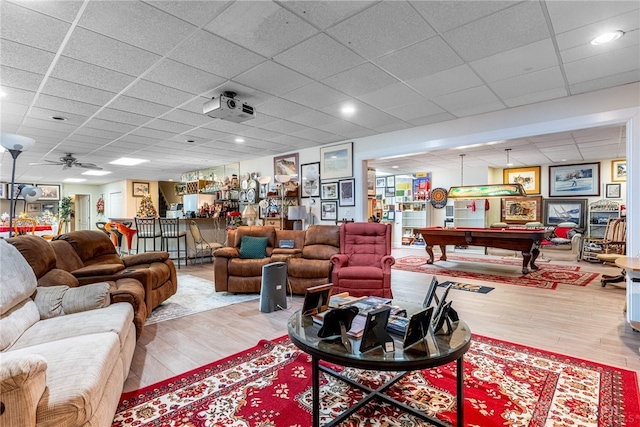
(339, 189)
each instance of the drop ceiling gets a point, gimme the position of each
(130, 77)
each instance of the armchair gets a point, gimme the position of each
(363, 266)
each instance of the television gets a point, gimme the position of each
(273, 288)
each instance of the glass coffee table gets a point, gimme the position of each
(434, 350)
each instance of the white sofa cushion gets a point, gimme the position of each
(116, 318)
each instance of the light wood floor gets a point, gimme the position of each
(586, 322)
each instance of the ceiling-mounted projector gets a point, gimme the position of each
(227, 107)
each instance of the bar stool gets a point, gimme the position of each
(203, 248)
(170, 229)
(111, 229)
(128, 233)
(146, 230)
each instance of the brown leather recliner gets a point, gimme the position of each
(313, 266)
(43, 259)
(96, 259)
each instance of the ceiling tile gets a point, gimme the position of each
(196, 12)
(319, 57)
(420, 59)
(102, 51)
(580, 38)
(215, 55)
(480, 108)
(429, 119)
(318, 136)
(521, 60)
(75, 71)
(341, 127)
(605, 82)
(187, 117)
(594, 67)
(391, 96)
(569, 15)
(444, 82)
(138, 106)
(383, 28)
(25, 57)
(362, 79)
(157, 93)
(76, 92)
(183, 77)
(277, 107)
(529, 83)
(324, 14)
(531, 98)
(446, 15)
(31, 28)
(18, 79)
(465, 98)
(260, 26)
(273, 78)
(314, 119)
(136, 24)
(510, 28)
(283, 126)
(43, 113)
(169, 126)
(63, 10)
(415, 110)
(16, 96)
(65, 105)
(316, 95)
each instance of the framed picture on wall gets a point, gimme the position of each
(34, 207)
(286, 165)
(520, 210)
(528, 177)
(613, 191)
(336, 161)
(310, 178)
(390, 192)
(391, 181)
(140, 189)
(562, 210)
(49, 192)
(328, 211)
(574, 180)
(3, 190)
(380, 182)
(347, 195)
(329, 191)
(619, 170)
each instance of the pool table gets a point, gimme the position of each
(525, 240)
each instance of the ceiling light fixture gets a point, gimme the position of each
(127, 161)
(2, 93)
(74, 180)
(348, 109)
(96, 173)
(607, 37)
(508, 150)
(239, 140)
(395, 167)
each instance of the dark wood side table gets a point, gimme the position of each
(436, 351)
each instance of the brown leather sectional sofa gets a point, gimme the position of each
(83, 257)
(308, 261)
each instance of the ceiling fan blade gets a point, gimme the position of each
(46, 163)
(88, 166)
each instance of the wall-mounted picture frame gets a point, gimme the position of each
(328, 211)
(329, 191)
(556, 211)
(371, 182)
(336, 161)
(16, 190)
(49, 192)
(520, 210)
(619, 170)
(286, 165)
(529, 178)
(613, 191)
(390, 192)
(51, 207)
(347, 195)
(391, 181)
(381, 182)
(34, 208)
(140, 189)
(3, 190)
(310, 178)
(574, 180)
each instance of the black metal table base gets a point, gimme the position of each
(379, 394)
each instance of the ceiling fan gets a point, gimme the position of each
(68, 161)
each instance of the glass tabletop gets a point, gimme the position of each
(434, 350)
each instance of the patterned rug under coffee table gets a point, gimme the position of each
(549, 276)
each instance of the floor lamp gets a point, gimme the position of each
(14, 144)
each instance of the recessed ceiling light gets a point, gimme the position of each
(59, 118)
(127, 161)
(74, 180)
(239, 140)
(2, 93)
(395, 167)
(191, 141)
(607, 37)
(348, 109)
(96, 173)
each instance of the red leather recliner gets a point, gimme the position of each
(363, 266)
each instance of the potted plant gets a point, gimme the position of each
(66, 210)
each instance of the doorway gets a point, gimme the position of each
(83, 212)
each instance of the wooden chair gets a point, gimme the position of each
(22, 226)
(49, 237)
(203, 248)
(614, 246)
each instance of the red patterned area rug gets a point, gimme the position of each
(547, 277)
(505, 384)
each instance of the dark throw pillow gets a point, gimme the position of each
(253, 247)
